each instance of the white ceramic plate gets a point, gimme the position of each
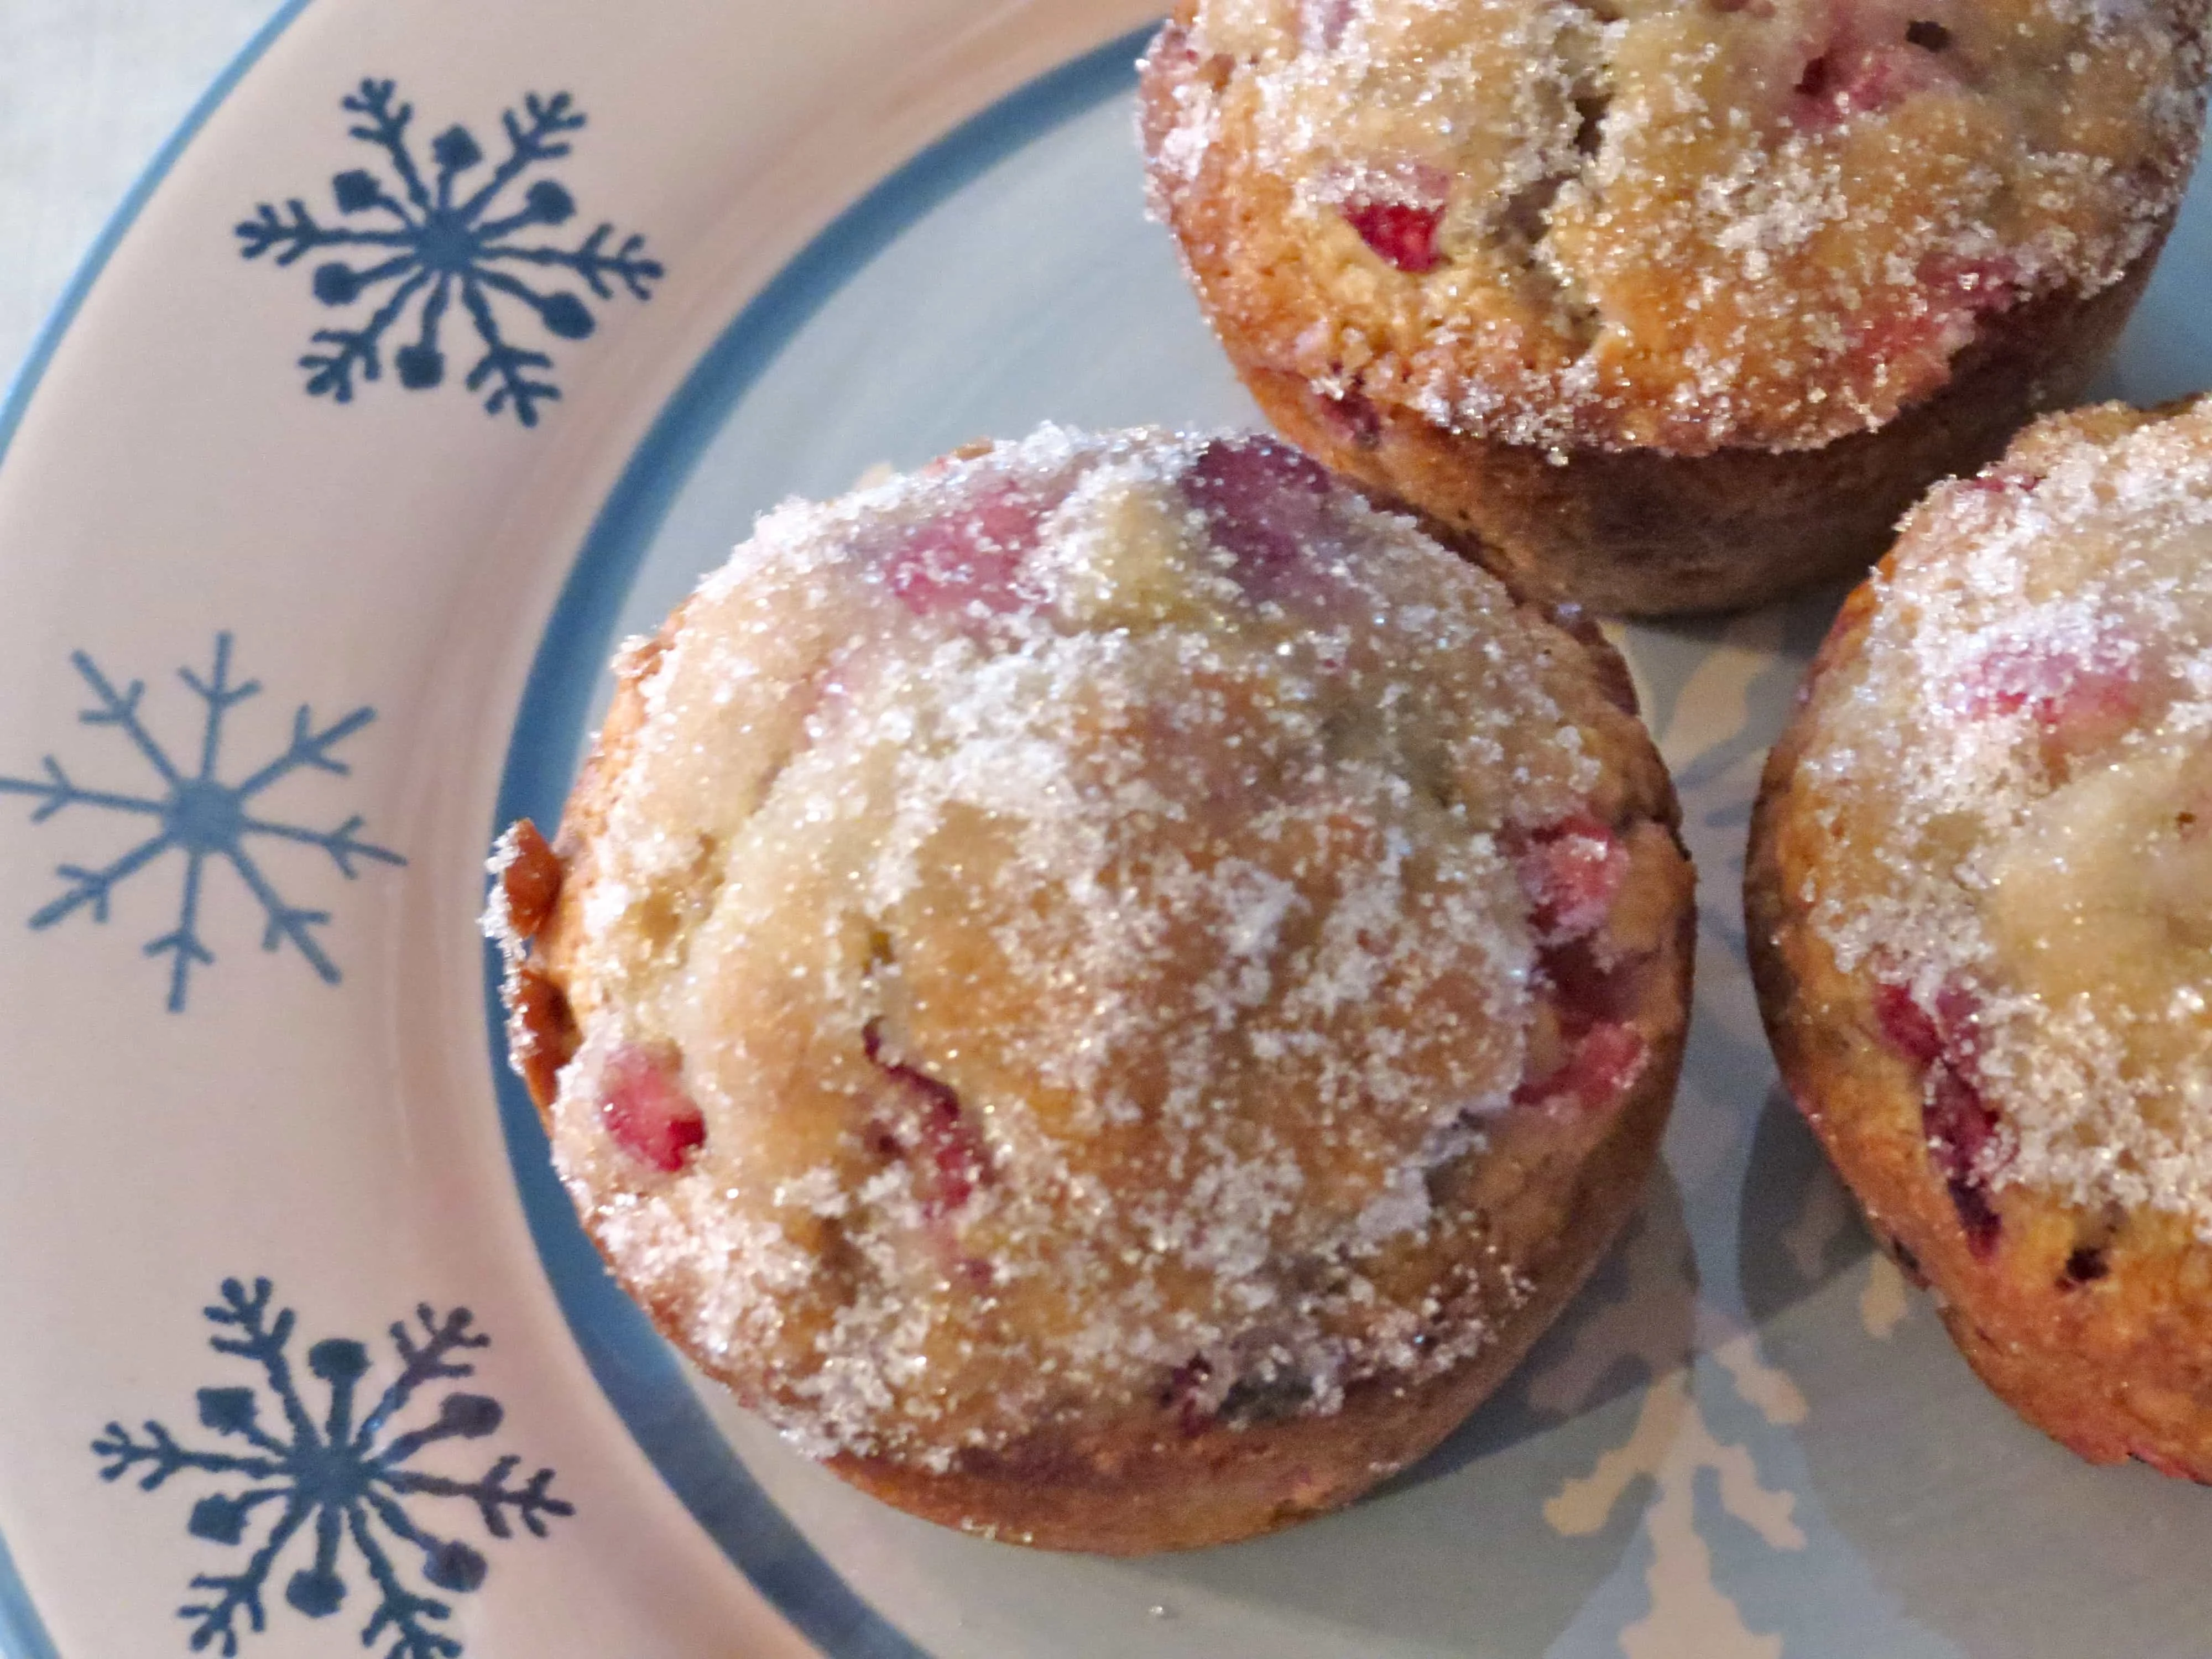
(282, 640)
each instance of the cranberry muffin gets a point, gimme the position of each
(1669, 306)
(1980, 906)
(1108, 989)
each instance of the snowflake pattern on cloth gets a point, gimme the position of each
(197, 814)
(336, 1481)
(427, 246)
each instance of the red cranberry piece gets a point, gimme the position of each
(951, 1159)
(971, 557)
(1607, 1061)
(2099, 708)
(2081, 703)
(1354, 417)
(955, 1158)
(1604, 1062)
(1843, 82)
(1399, 232)
(1960, 1127)
(2052, 687)
(1853, 77)
(1926, 326)
(1906, 1024)
(1977, 1216)
(1878, 80)
(1959, 1016)
(1958, 1121)
(1571, 872)
(1264, 502)
(1586, 992)
(646, 1111)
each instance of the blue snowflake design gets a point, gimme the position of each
(195, 813)
(429, 245)
(341, 1480)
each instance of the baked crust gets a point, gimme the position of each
(1642, 533)
(2113, 1362)
(1139, 1488)
(1609, 439)
(1522, 1222)
(1138, 1491)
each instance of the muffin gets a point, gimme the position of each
(1979, 899)
(1667, 307)
(1109, 989)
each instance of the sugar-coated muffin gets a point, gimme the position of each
(1108, 989)
(1668, 304)
(1980, 909)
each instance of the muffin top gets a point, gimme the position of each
(1060, 930)
(2014, 789)
(1685, 224)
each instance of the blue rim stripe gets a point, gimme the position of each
(24, 1637)
(636, 1368)
(33, 367)
(22, 1633)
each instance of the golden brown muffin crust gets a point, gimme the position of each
(1682, 227)
(915, 1136)
(2066, 1247)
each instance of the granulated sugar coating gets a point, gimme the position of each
(1103, 932)
(2017, 770)
(1977, 899)
(1650, 223)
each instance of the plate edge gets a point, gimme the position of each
(23, 1632)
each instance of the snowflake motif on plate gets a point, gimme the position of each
(427, 242)
(335, 1482)
(195, 812)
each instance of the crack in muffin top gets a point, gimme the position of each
(1051, 920)
(1690, 226)
(2016, 780)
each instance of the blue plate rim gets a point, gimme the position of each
(635, 1369)
(22, 1632)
